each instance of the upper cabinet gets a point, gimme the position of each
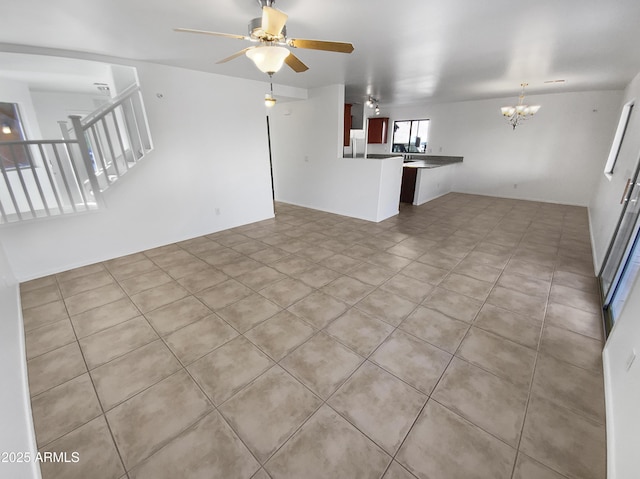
(347, 125)
(378, 129)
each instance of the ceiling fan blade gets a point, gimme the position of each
(273, 21)
(235, 55)
(295, 64)
(215, 34)
(340, 47)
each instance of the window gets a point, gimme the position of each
(11, 130)
(618, 138)
(410, 136)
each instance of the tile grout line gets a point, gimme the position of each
(164, 443)
(376, 287)
(454, 355)
(368, 358)
(197, 384)
(104, 415)
(533, 373)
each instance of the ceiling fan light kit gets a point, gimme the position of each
(269, 59)
(517, 114)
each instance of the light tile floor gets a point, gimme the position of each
(460, 339)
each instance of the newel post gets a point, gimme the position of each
(86, 158)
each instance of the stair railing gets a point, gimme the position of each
(52, 177)
(42, 178)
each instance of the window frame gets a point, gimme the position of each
(22, 157)
(411, 129)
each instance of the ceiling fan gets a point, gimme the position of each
(270, 32)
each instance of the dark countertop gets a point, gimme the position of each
(430, 161)
(418, 161)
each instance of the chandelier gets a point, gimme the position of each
(517, 114)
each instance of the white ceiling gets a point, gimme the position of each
(405, 51)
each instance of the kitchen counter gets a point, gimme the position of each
(424, 179)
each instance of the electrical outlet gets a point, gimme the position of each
(631, 359)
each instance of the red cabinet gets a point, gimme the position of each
(408, 185)
(347, 125)
(378, 129)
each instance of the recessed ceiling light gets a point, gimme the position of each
(555, 81)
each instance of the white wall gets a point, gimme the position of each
(622, 389)
(123, 77)
(54, 106)
(555, 157)
(211, 153)
(306, 144)
(16, 433)
(605, 207)
(304, 135)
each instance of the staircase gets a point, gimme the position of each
(44, 178)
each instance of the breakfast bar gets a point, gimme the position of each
(427, 177)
